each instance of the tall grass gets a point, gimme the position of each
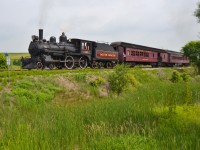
(137, 119)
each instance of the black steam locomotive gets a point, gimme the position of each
(68, 54)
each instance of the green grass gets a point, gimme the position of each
(33, 117)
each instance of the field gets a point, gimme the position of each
(18, 55)
(15, 60)
(76, 109)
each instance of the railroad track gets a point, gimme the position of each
(143, 68)
(12, 70)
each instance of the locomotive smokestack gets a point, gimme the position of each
(40, 34)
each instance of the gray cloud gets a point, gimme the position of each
(159, 23)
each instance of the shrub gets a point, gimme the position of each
(118, 79)
(3, 64)
(175, 78)
(185, 77)
(17, 62)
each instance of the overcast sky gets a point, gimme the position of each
(167, 24)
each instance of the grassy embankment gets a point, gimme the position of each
(74, 110)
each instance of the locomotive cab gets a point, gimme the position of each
(85, 47)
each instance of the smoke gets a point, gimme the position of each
(182, 20)
(47, 13)
(44, 8)
(65, 27)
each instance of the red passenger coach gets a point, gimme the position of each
(176, 58)
(133, 54)
(165, 57)
(137, 55)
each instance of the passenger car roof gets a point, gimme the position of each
(129, 45)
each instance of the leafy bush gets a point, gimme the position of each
(118, 79)
(175, 77)
(185, 77)
(17, 62)
(3, 64)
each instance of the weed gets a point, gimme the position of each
(97, 81)
(118, 79)
(80, 77)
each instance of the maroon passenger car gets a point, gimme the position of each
(176, 58)
(133, 54)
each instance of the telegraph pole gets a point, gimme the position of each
(8, 64)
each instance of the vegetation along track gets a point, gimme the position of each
(70, 109)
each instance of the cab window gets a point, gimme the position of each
(85, 46)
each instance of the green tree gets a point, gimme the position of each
(192, 50)
(197, 12)
(3, 64)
